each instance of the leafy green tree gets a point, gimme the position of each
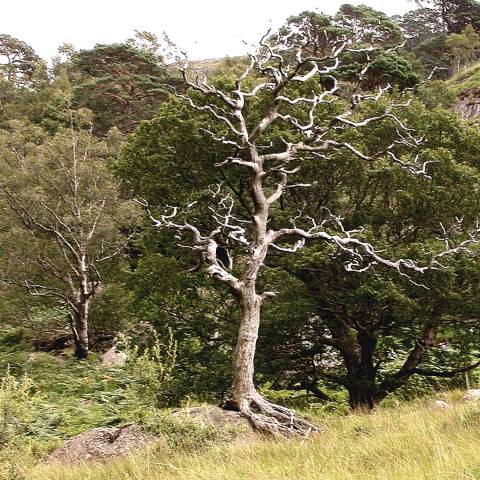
(120, 83)
(64, 218)
(371, 28)
(371, 333)
(200, 316)
(19, 64)
(147, 41)
(169, 157)
(463, 47)
(170, 160)
(456, 15)
(394, 69)
(431, 26)
(24, 82)
(421, 24)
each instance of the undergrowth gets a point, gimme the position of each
(412, 441)
(46, 399)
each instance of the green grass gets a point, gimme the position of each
(399, 441)
(465, 80)
(410, 441)
(68, 397)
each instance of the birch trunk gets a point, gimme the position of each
(81, 330)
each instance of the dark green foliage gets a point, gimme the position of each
(392, 68)
(377, 29)
(120, 83)
(431, 26)
(324, 316)
(166, 157)
(456, 14)
(171, 300)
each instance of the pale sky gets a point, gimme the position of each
(205, 28)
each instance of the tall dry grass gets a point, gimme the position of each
(411, 441)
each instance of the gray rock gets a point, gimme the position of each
(468, 104)
(471, 395)
(112, 358)
(101, 443)
(441, 405)
(32, 358)
(229, 423)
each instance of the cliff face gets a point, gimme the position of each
(468, 105)
(465, 85)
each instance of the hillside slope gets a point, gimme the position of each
(466, 86)
(400, 442)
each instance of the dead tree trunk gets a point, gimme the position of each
(243, 387)
(265, 416)
(271, 72)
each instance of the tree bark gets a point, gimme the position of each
(244, 392)
(362, 396)
(357, 347)
(80, 330)
(265, 416)
(362, 389)
(243, 387)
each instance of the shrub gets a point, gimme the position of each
(151, 373)
(15, 395)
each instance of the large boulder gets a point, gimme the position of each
(101, 443)
(468, 104)
(43, 357)
(229, 423)
(112, 358)
(471, 395)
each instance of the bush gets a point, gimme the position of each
(14, 401)
(150, 373)
(15, 395)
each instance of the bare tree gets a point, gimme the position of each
(63, 219)
(295, 77)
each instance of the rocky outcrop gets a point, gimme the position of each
(441, 405)
(468, 105)
(228, 422)
(112, 358)
(472, 395)
(100, 444)
(106, 442)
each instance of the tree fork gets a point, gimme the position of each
(314, 137)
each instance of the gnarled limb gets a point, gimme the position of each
(293, 57)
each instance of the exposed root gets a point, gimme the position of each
(273, 419)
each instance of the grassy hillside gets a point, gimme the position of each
(399, 441)
(465, 80)
(216, 66)
(410, 441)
